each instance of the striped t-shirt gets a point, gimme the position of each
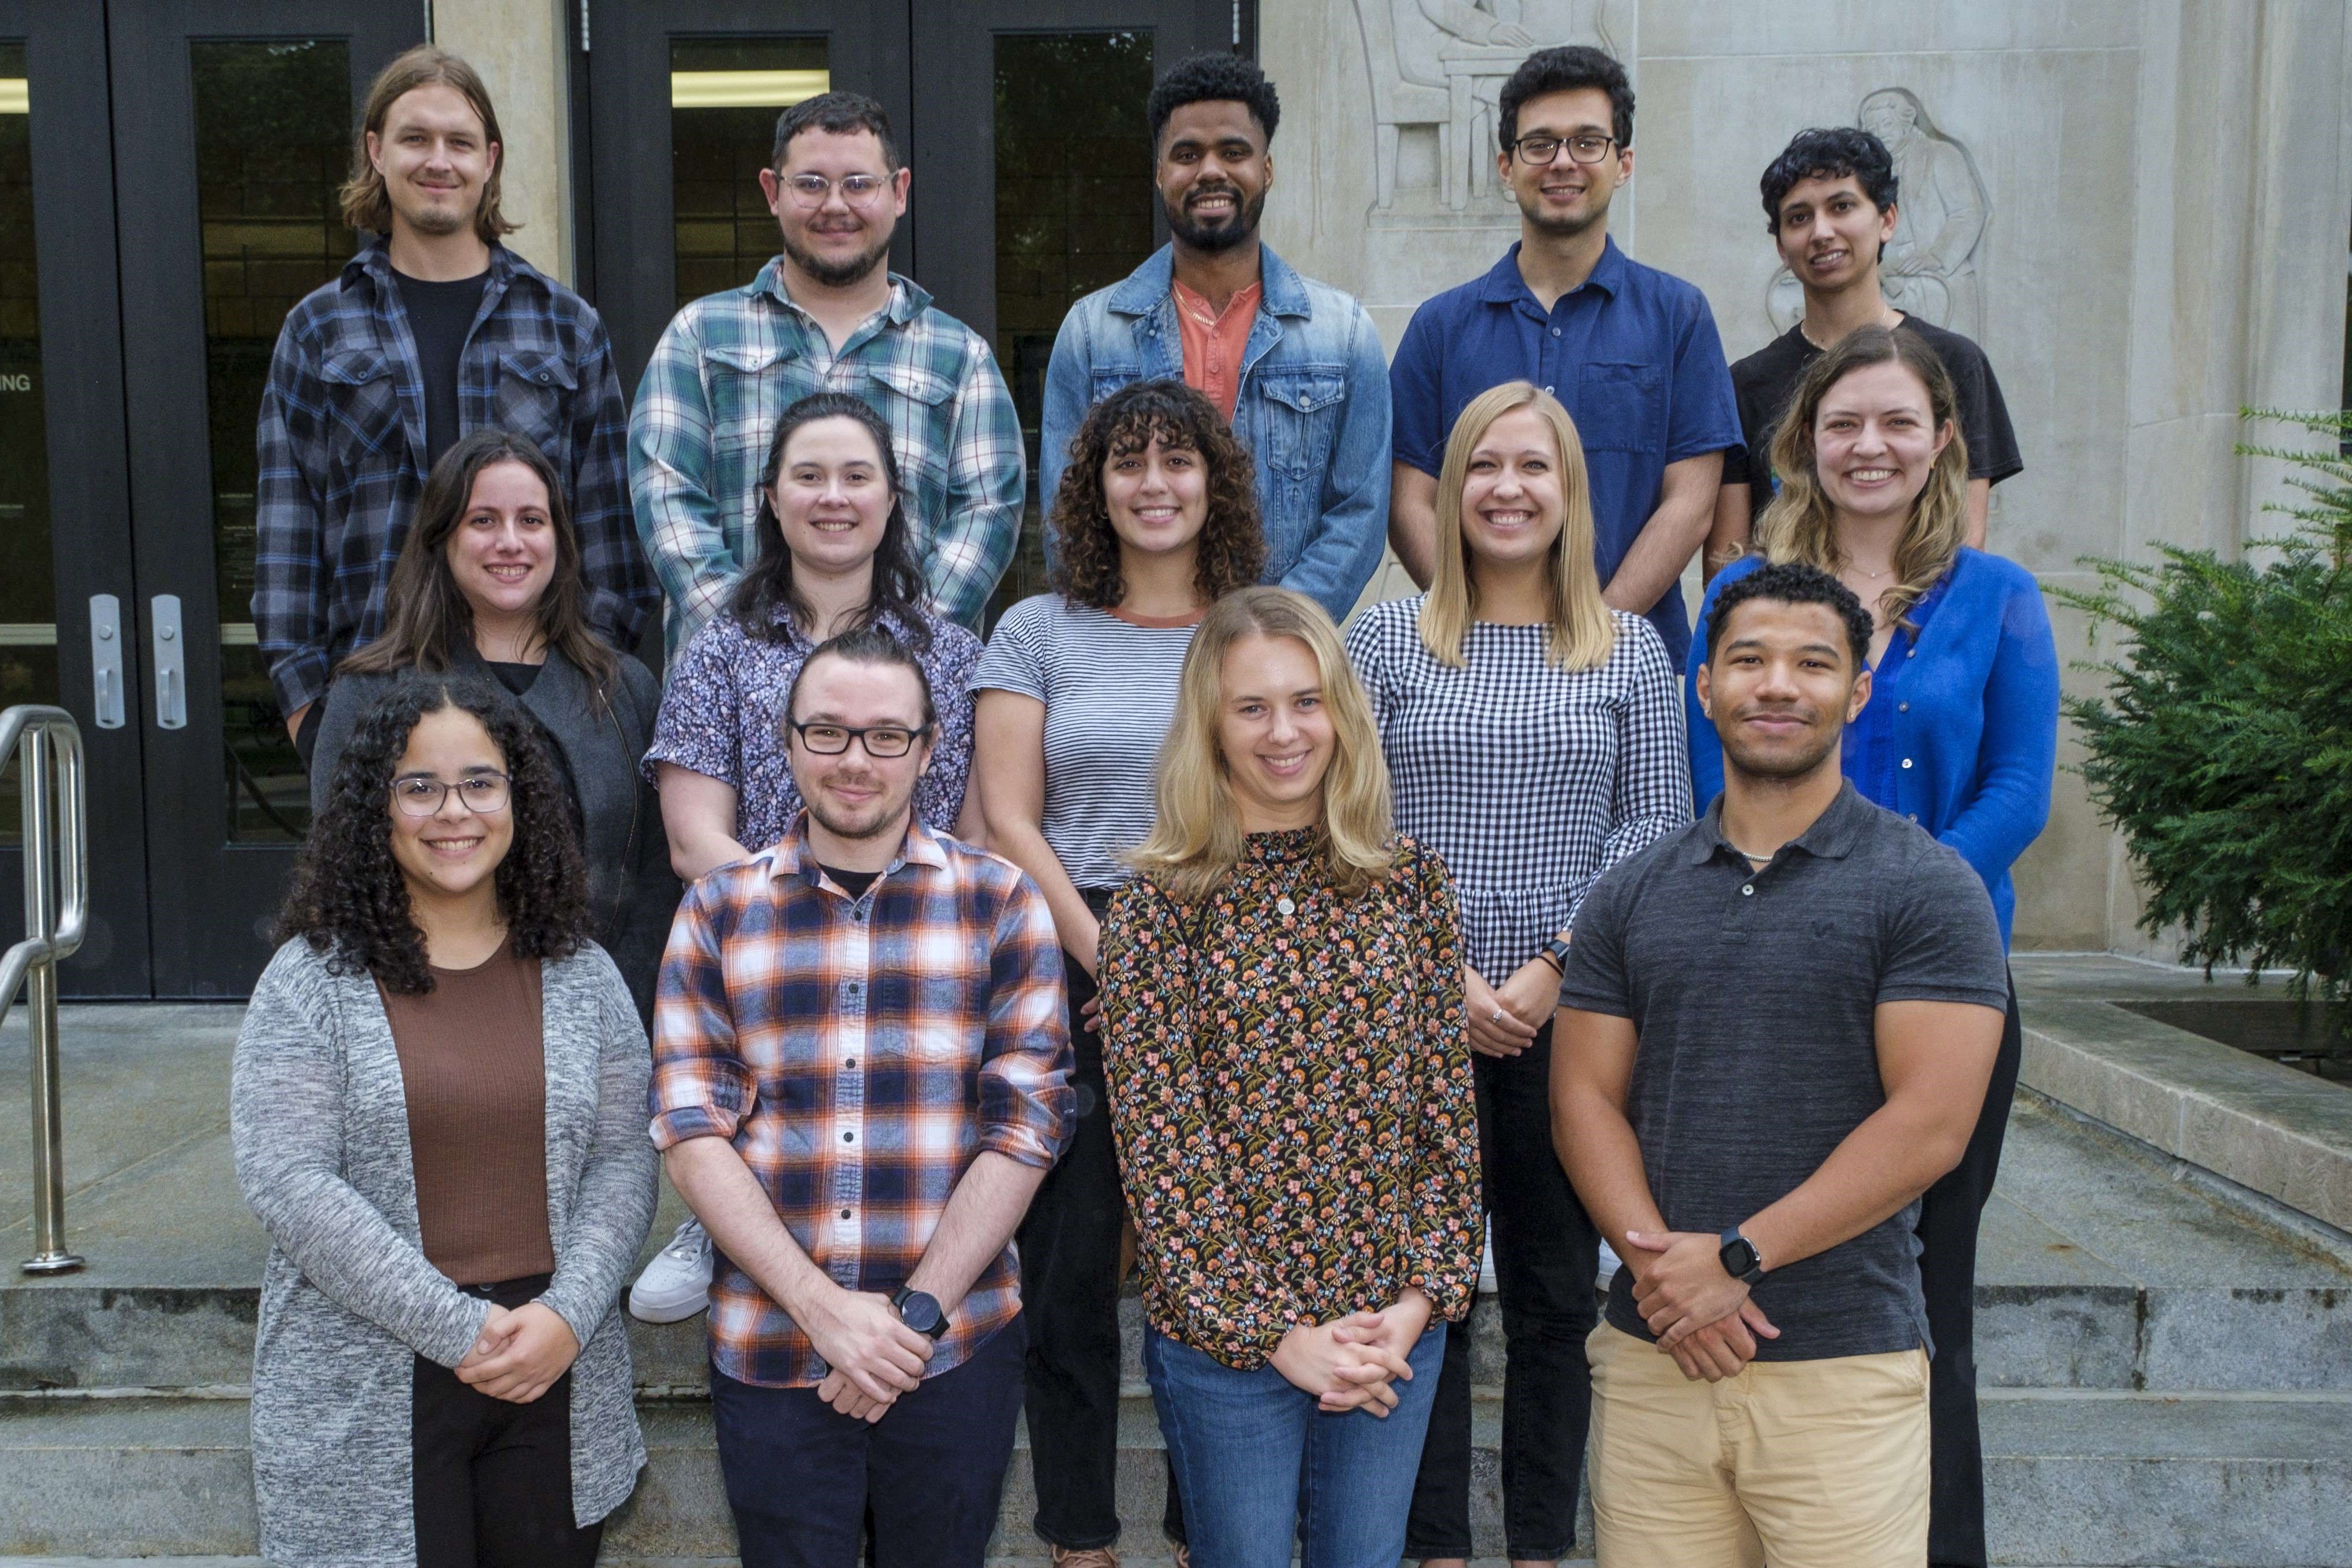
(1110, 691)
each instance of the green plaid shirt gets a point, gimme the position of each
(730, 363)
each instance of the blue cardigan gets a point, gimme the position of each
(1961, 733)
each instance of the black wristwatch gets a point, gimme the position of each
(920, 1313)
(1740, 1258)
(1556, 949)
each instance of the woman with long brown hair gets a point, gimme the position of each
(1960, 735)
(1296, 1123)
(488, 583)
(1155, 519)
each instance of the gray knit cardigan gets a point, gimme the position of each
(319, 1119)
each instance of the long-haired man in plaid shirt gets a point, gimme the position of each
(862, 1073)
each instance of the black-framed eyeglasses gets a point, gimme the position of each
(879, 740)
(1589, 148)
(425, 797)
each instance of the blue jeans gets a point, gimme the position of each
(1260, 1466)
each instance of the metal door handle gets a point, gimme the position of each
(106, 658)
(171, 663)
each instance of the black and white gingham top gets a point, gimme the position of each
(1530, 780)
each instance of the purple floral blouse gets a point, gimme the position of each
(722, 716)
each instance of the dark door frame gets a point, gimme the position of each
(90, 501)
(632, 226)
(197, 876)
(953, 207)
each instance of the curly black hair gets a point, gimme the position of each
(1215, 77)
(349, 901)
(1794, 582)
(1828, 152)
(1566, 70)
(1086, 547)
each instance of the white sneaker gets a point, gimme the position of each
(1609, 1266)
(676, 1284)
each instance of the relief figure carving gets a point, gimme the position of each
(1437, 68)
(1942, 210)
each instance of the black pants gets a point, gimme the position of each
(804, 1479)
(1546, 1252)
(494, 1479)
(1947, 1278)
(1069, 1292)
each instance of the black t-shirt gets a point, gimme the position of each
(1764, 381)
(439, 317)
(853, 882)
(517, 678)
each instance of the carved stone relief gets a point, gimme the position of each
(1437, 69)
(1941, 212)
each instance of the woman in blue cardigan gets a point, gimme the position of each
(1961, 735)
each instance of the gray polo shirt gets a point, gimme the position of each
(1754, 994)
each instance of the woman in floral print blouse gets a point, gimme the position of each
(1291, 1090)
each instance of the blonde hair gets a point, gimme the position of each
(1799, 523)
(1197, 839)
(366, 203)
(1583, 634)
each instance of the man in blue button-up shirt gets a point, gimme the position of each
(1631, 351)
(1307, 391)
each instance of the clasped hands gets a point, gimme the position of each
(518, 1355)
(873, 1356)
(1353, 1362)
(1702, 1316)
(1502, 1020)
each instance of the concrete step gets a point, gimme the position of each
(2192, 1480)
(2095, 1270)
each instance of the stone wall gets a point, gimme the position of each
(2138, 207)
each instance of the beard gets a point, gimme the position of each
(834, 274)
(882, 819)
(437, 220)
(1228, 235)
(1560, 228)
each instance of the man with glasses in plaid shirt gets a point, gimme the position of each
(861, 1076)
(824, 315)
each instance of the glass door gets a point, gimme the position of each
(685, 95)
(64, 532)
(232, 136)
(1030, 126)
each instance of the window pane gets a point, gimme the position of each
(273, 144)
(724, 95)
(1074, 199)
(28, 633)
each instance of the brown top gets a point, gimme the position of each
(473, 1068)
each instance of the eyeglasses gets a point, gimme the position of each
(879, 740)
(810, 191)
(425, 797)
(1586, 149)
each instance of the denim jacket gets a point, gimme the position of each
(1312, 407)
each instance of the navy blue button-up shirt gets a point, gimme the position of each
(1631, 352)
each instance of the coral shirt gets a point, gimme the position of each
(1213, 342)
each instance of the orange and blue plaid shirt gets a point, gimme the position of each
(859, 1052)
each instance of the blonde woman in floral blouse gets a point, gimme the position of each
(1291, 1092)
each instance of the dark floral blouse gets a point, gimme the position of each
(1291, 1090)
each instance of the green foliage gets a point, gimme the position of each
(2222, 748)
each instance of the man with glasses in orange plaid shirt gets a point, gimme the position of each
(861, 1076)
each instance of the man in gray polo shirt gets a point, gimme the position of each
(1776, 1028)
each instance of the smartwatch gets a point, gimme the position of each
(1556, 951)
(1740, 1258)
(920, 1313)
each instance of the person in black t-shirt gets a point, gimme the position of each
(1828, 204)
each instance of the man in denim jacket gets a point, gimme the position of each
(1294, 365)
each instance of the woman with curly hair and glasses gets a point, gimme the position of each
(1155, 519)
(438, 1113)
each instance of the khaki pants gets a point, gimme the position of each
(1808, 1463)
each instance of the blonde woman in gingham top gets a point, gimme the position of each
(1535, 739)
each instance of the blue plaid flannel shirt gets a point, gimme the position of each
(341, 443)
(730, 362)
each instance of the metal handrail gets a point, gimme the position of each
(57, 914)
